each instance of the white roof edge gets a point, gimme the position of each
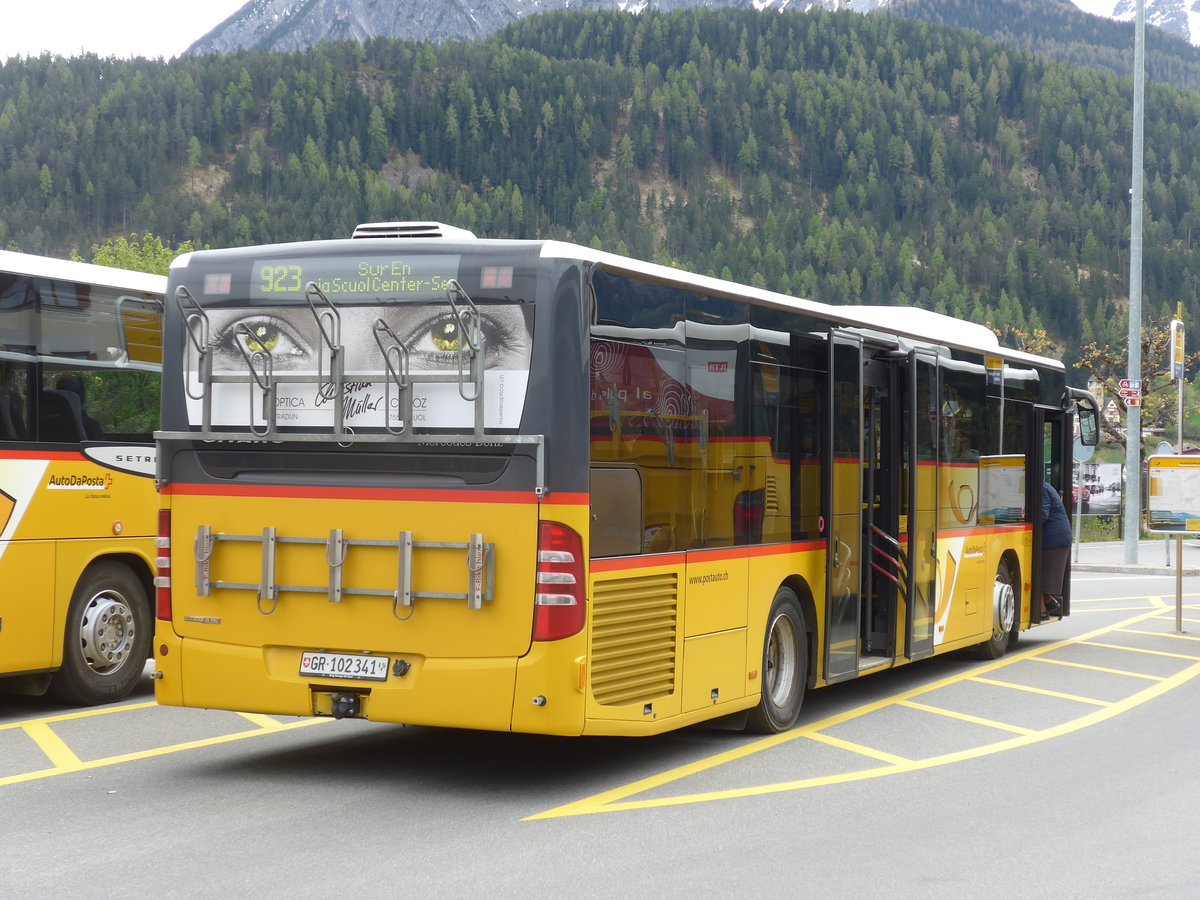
(89, 273)
(928, 326)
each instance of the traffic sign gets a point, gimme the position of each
(1130, 384)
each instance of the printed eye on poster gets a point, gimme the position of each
(1173, 494)
(410, 298)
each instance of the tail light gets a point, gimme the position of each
(559, 602)
(748, 517)
(162, 560)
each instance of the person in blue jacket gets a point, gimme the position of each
(1056, 549)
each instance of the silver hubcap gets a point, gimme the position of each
(106, 632)
(780, 677)
(1005, 606)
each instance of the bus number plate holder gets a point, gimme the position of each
(356, 667)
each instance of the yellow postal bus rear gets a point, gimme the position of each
(524, 485)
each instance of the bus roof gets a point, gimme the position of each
(911, 322)
(86, 273)
(907, 322)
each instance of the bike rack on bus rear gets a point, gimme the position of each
(262, 380)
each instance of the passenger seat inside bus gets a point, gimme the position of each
(10, 404)
(60, 417)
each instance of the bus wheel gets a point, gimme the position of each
(107, 637)
(784, 669)
(1004, 614)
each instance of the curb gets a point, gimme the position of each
(1131, 569)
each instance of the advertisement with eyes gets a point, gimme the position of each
(300, 361)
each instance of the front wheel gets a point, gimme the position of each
(107, 637)
(784, 669)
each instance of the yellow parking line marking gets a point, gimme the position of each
(612, 801)
(616, 799)
(860, 749)
(965, 717)
(56, 750)
(1075, 665)
(1139, 650)
(1179, 637)
(1037, 690)
(81, 766)
(264, 722)
(80, 714)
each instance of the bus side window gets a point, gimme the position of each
(616, 511)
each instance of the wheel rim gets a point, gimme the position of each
(780, 676)
(1004, 602)
(106, 632)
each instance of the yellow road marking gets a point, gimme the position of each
(1170, 634)
(80, 714)
(860, 749)
(264, 722)
(55, 748)
(1140, 650)
(616, 799)
(1037, 690)
(965, 717)
(80, 765)
(1075, 665)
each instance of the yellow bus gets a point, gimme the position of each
(415, 476)
(80, 361)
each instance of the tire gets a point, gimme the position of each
(1006, 600)
(107, 640)
(784, 667)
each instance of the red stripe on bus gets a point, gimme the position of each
(617, 563)
(348, 493)
(678, 558)
(74, 456)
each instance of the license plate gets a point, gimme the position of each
(344, 665)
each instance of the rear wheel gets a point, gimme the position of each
(107, 637)
(1005, 601)
(784, 669)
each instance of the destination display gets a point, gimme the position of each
(351, 278)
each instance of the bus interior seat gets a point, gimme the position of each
(9, 404)
(60, 417)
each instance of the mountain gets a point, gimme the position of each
(285, 25)
(1178, 17)
(1057, 29)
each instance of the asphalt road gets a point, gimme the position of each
(1067, 769)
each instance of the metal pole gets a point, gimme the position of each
(1133, 415)
(1179, 584)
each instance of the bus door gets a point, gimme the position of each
(843, 504)
(882, 550)
(1057, 467)
(920, 508)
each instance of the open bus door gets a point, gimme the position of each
(844, 504)
(921, 458)
(1054, 463)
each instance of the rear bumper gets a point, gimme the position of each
(458, 693)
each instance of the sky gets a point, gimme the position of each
(121, 28)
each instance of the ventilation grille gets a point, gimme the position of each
(411, 230)
(633, 639)
(771, 495)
